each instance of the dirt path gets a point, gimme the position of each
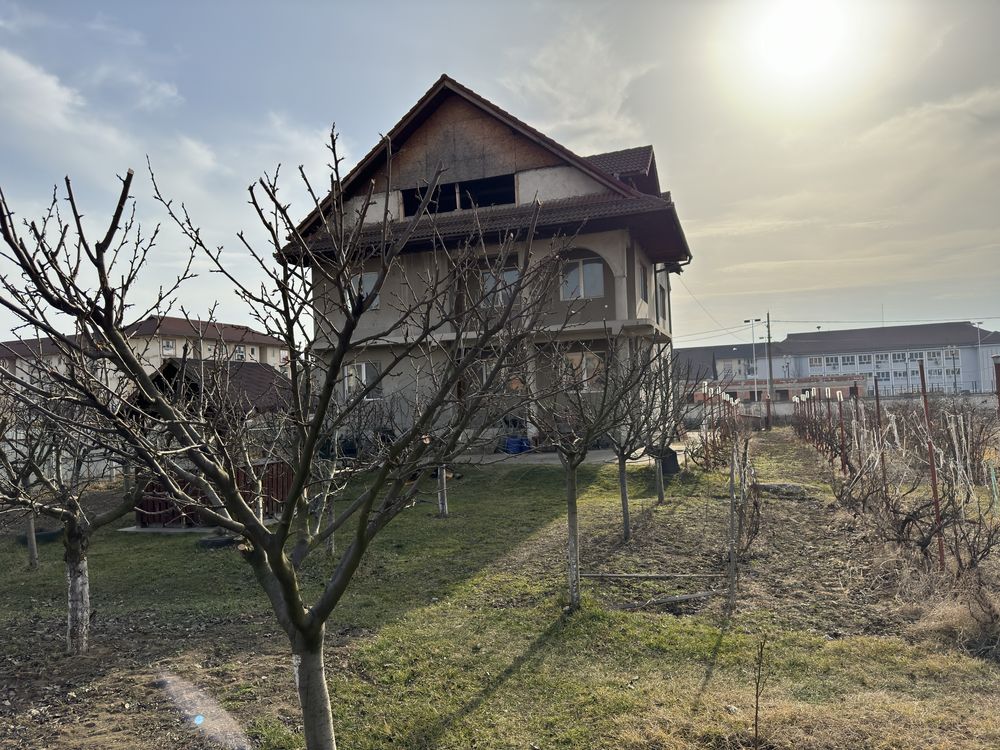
(815, 566)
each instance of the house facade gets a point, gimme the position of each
(158, 339)
(625, 235)
(957, 358)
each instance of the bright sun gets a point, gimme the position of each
(796, 43)
(793, 55)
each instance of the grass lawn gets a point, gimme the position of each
(452, 634)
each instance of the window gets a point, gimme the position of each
(364, 284)
(847, 360)
(899, 356)
(489, 191)
(584, 368)
(935, 372)
(833, 363)
(934, 356)
(253, 353)
(240, 353)
(883, 375)
(953, 371)
(881, 359)
(283, 357)
(899, 374)
(583, 279)
(644, 283)
(361, 375)
(167, 347)
(816, 363)
(661, 302)
(864, 359)
(916, 356)
(499, 286)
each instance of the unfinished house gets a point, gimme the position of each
(621, 234)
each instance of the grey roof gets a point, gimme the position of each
(240, 386)
(919, 336)
(629, 161)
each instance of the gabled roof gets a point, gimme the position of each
(166, 325)
(446, 86)
(239, 387)
(658, 225)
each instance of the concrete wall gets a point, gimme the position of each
(553, 183)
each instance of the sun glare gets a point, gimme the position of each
(785, 57)
(797, 43)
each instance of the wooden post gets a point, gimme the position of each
(442, 491)
(843, 433)
(767, 406)
(933, 464)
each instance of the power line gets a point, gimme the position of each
(704, 309)
(898, 320)
(711, 330)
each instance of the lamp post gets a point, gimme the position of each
(753, 352)
(979, 356)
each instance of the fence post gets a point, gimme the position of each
(843, 434)
(767, 406)
(933, 463)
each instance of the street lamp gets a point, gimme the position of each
(753, 352)
(979, 356)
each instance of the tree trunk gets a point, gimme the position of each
(32, 543)
(314, 698)
(623, 489)
(573, 545)
(658, 469)
(78, 589)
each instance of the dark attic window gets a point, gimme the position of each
(489, 191)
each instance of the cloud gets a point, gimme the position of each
(54, 125)
(14, 19)
(572, 93)
(147, 94)
(118, 34)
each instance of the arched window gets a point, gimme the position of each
(582, 278)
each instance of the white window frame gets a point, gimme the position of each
(586, 368)
(240, 353)
(644, 283)
(582, 292)
(350, 374)
(167, 347)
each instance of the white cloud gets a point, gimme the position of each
(117, 33)
(572, 92)
(15, 19)
(147, 94)
(55, 125)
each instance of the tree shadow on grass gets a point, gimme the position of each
(430, 734)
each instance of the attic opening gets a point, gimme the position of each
(451, 196)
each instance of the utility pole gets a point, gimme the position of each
(979, 356)
(753, 353)
(770, 360)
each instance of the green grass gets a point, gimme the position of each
(452, 635)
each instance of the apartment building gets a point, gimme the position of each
(957, 359)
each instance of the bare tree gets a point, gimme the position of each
(51, 472)
(590, 380)
(443, 369)
(634, 411)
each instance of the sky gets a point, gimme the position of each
(834, 163)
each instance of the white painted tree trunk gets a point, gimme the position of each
(658, 469)
(573, 543)
(314, 698)
(78, 588)
(442, 491)
(623, 491)
(32, 543)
